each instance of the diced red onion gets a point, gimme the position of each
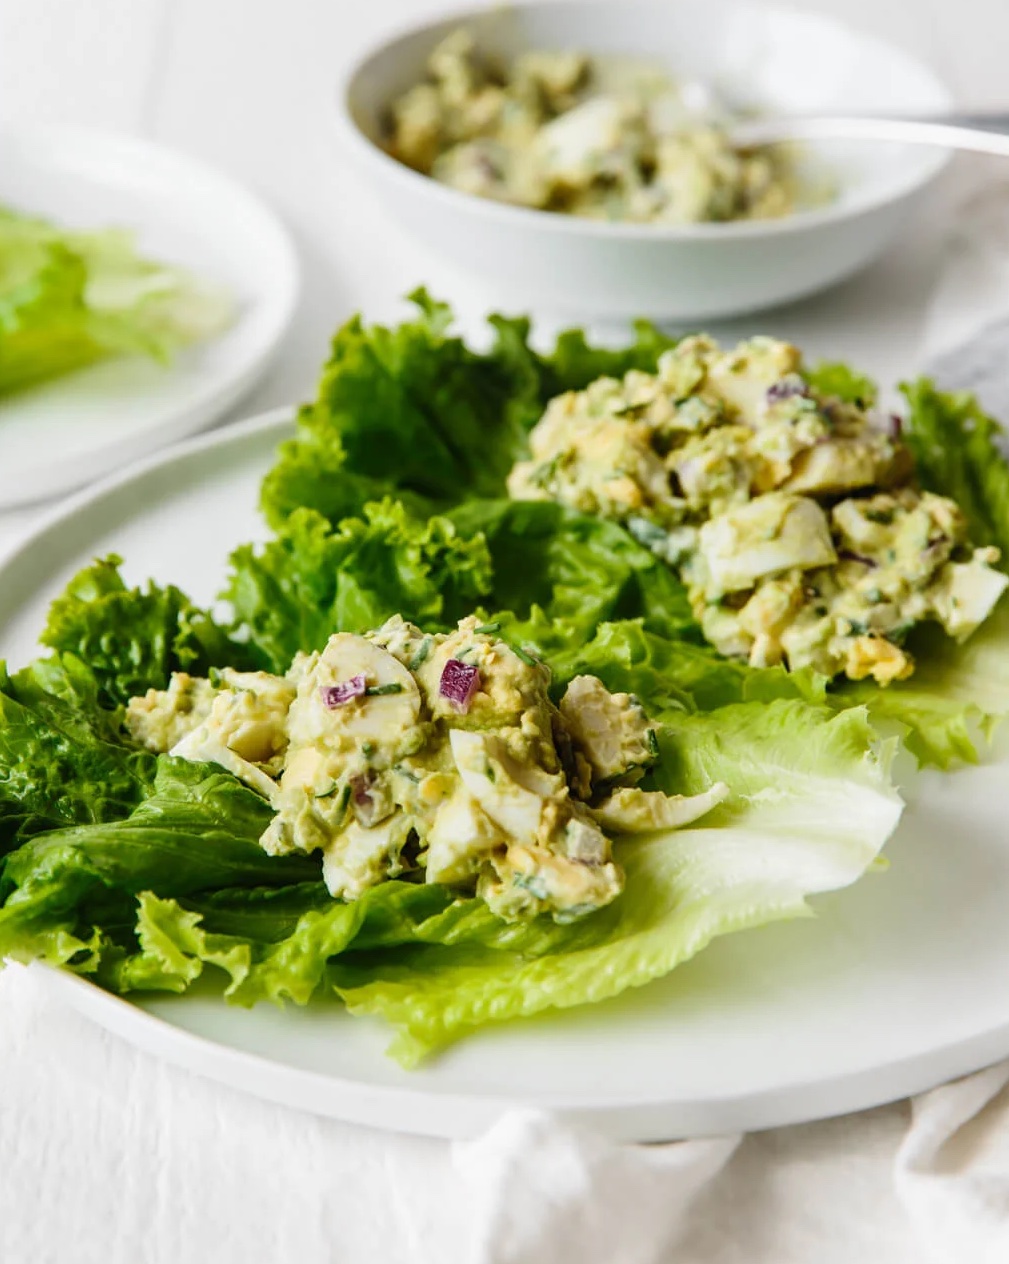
(459, 682)
(787, 388)
(364, 803)
(896, 425)
(847, 555)
(334, 696)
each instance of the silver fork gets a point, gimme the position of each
(977, 133)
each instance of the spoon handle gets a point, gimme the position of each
(978, 133)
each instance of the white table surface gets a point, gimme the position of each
(246, 84)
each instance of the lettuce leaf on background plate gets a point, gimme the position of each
(70, 298)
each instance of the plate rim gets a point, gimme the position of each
(215, 396)
(434, 1112)
(463, 1115)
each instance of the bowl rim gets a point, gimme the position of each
(535, 219)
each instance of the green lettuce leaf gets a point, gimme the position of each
(416, 412)
(312, 580)
(575, 571)
(413, 409)
(69, 298)
(948, 710)
(959, 453)
(132, 639)
(176, 939)
(196, 830)
(841, 381)
(667, 673)
(62, 759)
(812, 805)
(574, 362)
(554, 574)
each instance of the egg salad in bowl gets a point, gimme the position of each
(599, 138)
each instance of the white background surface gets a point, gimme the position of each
(108, 1156)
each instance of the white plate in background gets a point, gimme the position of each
(67, 432)
(900, 983)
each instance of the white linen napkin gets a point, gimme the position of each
(545, 1192)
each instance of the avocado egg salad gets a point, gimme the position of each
(600, 138)
(553, 667)
(399, 751)
(791, 514)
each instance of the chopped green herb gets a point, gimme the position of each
(543, 474)
(367, 749)
(487, 628)
(652, 739)
(345, 798)
(379, 691)
(646, 532)
(525, 657)
(214, 676)
(325, 794)
(531, 882)
(605, 785)
(422, 655)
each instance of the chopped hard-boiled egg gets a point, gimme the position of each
(239, 722)
(766, 536)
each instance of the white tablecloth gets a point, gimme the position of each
(107, 1155)
(111, 1157)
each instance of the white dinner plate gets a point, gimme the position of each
(901, 982)
(67, 432)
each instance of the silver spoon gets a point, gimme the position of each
(978, 133)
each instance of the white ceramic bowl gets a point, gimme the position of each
(777, 60)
